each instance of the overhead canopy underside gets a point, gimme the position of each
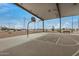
(46, 11)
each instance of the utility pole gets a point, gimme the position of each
(24, 24)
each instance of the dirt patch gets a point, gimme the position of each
(4, 34)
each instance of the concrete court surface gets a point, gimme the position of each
(41, 44)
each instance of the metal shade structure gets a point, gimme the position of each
(46, 11)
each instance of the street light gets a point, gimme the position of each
(32, 20)
(24, 25)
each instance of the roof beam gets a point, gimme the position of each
(28, 11)
(58, 8)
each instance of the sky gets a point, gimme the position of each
(14, 17)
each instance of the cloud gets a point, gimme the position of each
(19, 25)
(56, 26)
(66, 24)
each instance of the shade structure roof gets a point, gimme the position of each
(46, 11)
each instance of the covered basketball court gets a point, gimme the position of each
(47, 11)
(45, 43)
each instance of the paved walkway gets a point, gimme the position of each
(6, 43)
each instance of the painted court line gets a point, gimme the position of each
(75, 41)
(58, 40)
(48, 42)
(75, 53)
